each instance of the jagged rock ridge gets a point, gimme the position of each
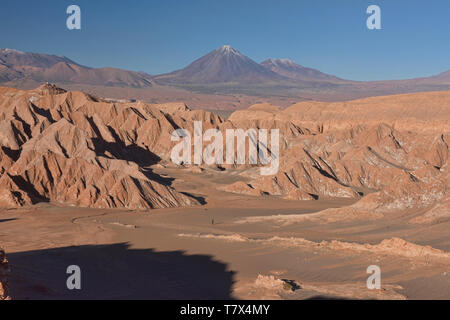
(390, 152)
(71, 148)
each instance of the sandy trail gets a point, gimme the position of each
(181, 253)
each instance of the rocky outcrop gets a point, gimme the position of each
(4, 274)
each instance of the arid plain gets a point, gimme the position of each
(88, 181)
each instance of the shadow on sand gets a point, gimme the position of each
(118, 272)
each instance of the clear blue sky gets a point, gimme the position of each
(158, 36)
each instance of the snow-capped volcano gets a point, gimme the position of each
(223, 65)
(227, 49)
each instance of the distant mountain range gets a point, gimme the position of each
(227, 69)
(222, 71)
(20, 66)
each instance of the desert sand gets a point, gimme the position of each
(180, 254)
(88, 182)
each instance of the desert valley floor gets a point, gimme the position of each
(357, 186)
(178, 253)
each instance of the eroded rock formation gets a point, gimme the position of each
(4, 274)
(72, 148)
(392, 152)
